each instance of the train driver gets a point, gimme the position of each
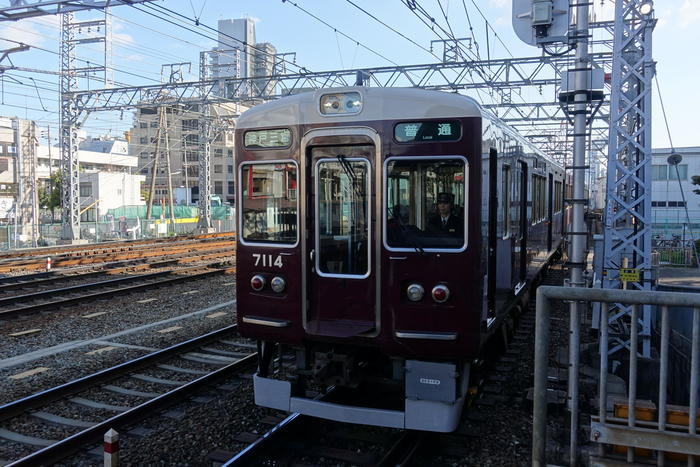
(445, 221)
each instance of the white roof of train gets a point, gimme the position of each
(377, 104)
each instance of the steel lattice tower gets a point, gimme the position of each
(204, 151)
(628, 207)
(68, 138)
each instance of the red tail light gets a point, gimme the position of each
(257, 283)
(441, 293)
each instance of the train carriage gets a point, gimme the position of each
(385, 236)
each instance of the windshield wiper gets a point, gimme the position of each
(408, 235)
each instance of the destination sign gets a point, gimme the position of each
(258, 139)
(427, 131)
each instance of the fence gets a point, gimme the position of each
(14, 237)
(658, 436)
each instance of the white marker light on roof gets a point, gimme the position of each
(341, 103)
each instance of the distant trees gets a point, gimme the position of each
(695, 180)
(50, 194)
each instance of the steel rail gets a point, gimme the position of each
(250, 455)
(404, 450)
(44, 279)
(15, 408)
(94, 434)
(24, 277)
(79, 288)
(107, 293)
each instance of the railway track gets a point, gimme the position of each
(112, 254)
(43, 279)
(121, 245)
(302, 440)
(189, 367)
(21, 305)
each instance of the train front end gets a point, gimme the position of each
(360, 266)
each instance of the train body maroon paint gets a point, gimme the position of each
(385, 236)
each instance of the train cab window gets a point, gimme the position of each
(425, 203)
(342, 213)
(269, 203)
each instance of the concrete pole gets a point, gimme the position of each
(111, 448)
(154, 169)
(582, 72)
(171, 199)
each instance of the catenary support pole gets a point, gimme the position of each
(582, 72)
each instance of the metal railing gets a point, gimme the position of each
(657, 435)
(673, 256)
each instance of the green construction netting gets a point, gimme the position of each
(181, 212)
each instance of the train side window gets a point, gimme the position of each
(268, 203)
(558, 193)
(505, 200)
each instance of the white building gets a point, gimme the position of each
(102, 191)
(668, 206)
(95, 155)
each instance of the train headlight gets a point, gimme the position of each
(415, 292)
(441, 293)
(277, 284)
(257, 283)
(341, 103)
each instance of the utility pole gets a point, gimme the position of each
(204, 152)
(168, 170)
(577, 260)
(154, 168)
(50, 184)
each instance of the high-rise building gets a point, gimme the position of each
(263, 67)
(237, 55)
(233, 33)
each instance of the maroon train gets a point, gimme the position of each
(385, 236)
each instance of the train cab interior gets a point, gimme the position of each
(425, 203)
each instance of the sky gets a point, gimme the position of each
(349, 39)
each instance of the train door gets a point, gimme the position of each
(492, 231)
(340, 221)
(524, 223)
(550, 207)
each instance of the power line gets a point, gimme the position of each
(341, 32)
(488, 25)
(391, 28)
(172, 13)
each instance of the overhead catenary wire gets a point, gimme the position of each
(391, 28)
(366, 47)
(200, 25)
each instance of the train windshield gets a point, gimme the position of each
(269, 203)
(425, 203)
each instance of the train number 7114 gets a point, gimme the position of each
(267, 260)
